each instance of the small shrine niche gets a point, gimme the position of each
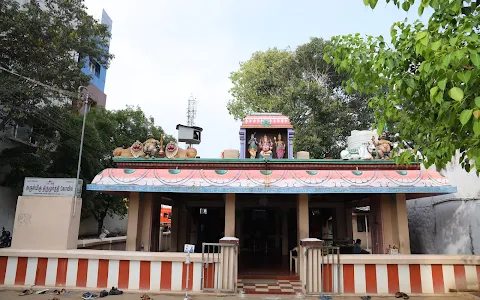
(266, 135)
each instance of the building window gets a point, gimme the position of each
(94, 67)
(361, 225)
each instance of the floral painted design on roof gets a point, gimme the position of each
(266, 120)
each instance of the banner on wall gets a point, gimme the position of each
(51, 187)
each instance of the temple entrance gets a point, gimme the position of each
(263, 252)
(208, 228)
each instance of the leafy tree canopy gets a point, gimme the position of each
(48, 41)
(303, 86)
(58, 130)
(426, 80)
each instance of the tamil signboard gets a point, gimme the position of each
(51, 187)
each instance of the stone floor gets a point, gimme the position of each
(257, 286)
(10, 294)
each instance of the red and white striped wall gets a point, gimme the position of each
(413, 278)
(101, 273)
(392, 278)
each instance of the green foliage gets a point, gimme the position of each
(302, 86)
(38, 41)
(57, 154)
(426, 80)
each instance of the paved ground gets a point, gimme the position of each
(10, 294)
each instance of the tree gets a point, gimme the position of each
(426, 80)
(40, 41)
(302, 86)
(58, 130)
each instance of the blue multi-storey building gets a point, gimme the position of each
(97, 72)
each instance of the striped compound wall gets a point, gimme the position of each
(413, 278)
(392, 278)
(100, 273)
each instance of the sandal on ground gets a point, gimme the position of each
(103, 293)
(26, 292)
(365, 297)
(59, 292)
(89, 296)
(145, 297)
(401, 295)
(115, 291)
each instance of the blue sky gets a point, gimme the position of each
(166, 50)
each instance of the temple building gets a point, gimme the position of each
(265, 212)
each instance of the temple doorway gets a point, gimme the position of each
(262, 252)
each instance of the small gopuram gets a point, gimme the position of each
(259, 215)
(268, 131)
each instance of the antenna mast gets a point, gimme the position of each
(191, 110)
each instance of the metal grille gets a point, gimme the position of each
(323, 270)
(219, 267)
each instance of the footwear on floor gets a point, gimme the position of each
(103, 293)
(26, 292)
(89, 296)
(401, 295)
(115, 291)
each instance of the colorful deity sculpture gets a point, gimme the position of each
(279, 146)
(266, 146)
(252, 146)
(151, 147)
(383, 147)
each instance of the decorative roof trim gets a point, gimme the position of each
(270, 181)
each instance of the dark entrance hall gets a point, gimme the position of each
(261, 249)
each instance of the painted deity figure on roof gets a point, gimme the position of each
(383, 147)
(279, 146)
(252, 146)
(266, 145)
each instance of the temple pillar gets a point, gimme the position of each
(146, 229)
(303, 227)
(238, 223)
(402, 224)
(302, 217)
(243, 147)
(376, 226)
(291, 134)
(132, 222)
(285, 232)
(174, 228)
(389, 218)
(348, 222)
(229, 215)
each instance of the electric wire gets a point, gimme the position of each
(61, 91)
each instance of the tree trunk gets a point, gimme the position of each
(100, 225)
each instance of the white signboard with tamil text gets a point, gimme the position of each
(51, 187)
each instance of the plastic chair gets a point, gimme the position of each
(294, 259)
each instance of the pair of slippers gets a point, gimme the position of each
(59, 292)
(26, 292)
(145, 297)
(401, 295)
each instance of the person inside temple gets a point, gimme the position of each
(357, 248)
